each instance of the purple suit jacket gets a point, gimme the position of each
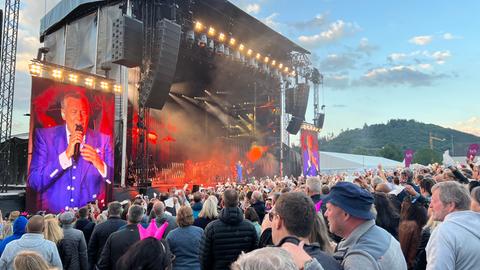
(75, 186)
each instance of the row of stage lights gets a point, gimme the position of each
(65, 75)
(224, 44)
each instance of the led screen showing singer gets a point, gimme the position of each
(72, 160)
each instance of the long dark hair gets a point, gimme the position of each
(387, 215)
(147, 254)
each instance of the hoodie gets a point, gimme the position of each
(455, 243)
(19, 226)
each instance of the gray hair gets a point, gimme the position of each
(476, 194)
(135, 214)
(269, 258)
(114, 209)
(453, 192)
(257, 196)
(159, 209)
(314, 184)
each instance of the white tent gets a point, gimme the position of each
(331, 162)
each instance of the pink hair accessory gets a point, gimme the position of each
(318, 206)
(152, 230)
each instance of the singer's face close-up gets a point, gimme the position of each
(75, 112)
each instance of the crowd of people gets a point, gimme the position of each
(362, 221)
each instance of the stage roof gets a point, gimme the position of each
(220, 13)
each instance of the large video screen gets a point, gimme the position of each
(310, 154)
(71, 146)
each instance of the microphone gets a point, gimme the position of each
(76, 151)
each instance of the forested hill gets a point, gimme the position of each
(391, 139)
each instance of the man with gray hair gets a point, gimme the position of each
(455, 243)
(269, 258)
(313, 188)
(162, 217)
(258, 204)
(119, 242)
(102, 231)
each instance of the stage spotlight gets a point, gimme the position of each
(211, 31)
(249, 52)
(73, 78)
(293, 73)
(211, 45)
(221, 37)
(266, 59)
(273, 63)
(280, 66)
(286, 70)
(258, 56)
(104, 85)
(220, 49)
(89, 82)
(35, 69)
(117, 88)
(241, 47)
(232, 42)
(198, 26)
(202, 42)
(190, 36)
(57, 74)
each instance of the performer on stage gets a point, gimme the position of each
(239, 172)
(310, 157)
(71, 164)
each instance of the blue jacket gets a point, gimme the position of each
(76, 185)
(19, 226)
(185, 244)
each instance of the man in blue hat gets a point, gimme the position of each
(364, 245)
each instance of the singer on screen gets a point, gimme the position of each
(71, 164)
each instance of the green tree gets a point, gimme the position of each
(427, 156)
(391, 151)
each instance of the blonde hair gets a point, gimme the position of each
(52, 230)
(431, 224)
(209, 209)
(29, 260)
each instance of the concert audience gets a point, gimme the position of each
(147, 254)
(84, 224)
(162, 217)
(19, 226)
(72, 248)
(209, 212)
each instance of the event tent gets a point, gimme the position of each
(331, 162)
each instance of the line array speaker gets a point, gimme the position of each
(294, 125)
(127, 42)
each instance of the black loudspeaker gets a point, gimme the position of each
(289, 100)
(127, 42)
(195, 188)
(318, 121)
(294, 125)
(164, 64)
(301, 100)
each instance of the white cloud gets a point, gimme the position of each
(471, 125)
(253, 8)
(450, 36)
(398, 75)
(336, 62)
(421, 40)
(441, 56)
(365, 47)
(319, 20)
(397, 57)
(335, 31)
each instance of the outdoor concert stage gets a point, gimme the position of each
(202, 105)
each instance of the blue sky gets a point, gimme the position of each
(381, 59)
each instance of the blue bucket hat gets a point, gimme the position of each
(352, 199)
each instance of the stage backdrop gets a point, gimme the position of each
(62, 176)
(310, 155)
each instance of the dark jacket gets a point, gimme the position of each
(19, 226)
(100, 234)
(421, 257)
(73, 249)
(202, 222)
(172, 223)
(225, 238)
(260, 209)
(117, 244)
(86, 226)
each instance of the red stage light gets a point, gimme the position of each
(256, 152)
(152, 137)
